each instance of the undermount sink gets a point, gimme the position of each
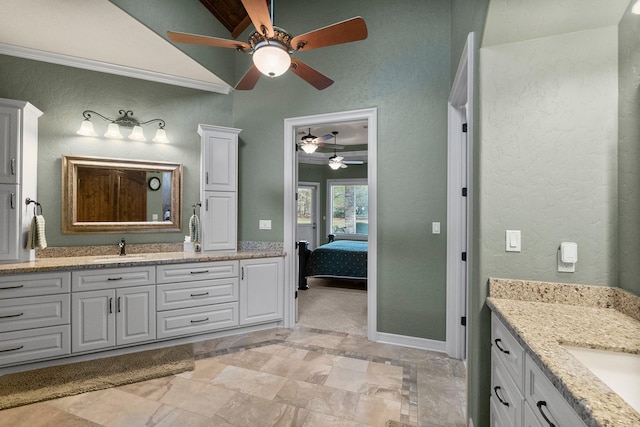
(118, 258)
(620, 371)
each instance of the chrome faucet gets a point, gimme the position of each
(122, 246)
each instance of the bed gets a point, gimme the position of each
(345, 259)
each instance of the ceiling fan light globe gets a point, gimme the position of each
(271, 59)
(335, 165)
(309, 147)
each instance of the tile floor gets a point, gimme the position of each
(303, 377)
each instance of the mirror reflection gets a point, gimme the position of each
(114, 195)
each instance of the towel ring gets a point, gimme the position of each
(28, 201)
(194, 207)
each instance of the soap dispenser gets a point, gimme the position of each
(188, 244)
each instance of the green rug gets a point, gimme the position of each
(65, 380)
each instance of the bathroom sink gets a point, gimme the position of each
(118, 258)
(620, 371)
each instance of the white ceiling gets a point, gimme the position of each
(97, 35)
(511, 21)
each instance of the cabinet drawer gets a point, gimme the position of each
(505, 395)
(197, 271)
(109, 278)
(545, 400)
(26, 285)
(32, 344)
(188, 321)
(34, 312)
(508, 350)
(195, 294)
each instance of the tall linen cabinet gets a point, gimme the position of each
(18, 176)
(219, 187)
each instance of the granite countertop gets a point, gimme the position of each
(544, 316)
(136, 259)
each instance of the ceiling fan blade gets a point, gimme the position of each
(311, 76)
(336, 146)
(249, 80)
(324, 137)
(353, 162)
(351, 30)
(258, 11)
(206, 40)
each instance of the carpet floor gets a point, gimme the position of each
(74, 378)
(334, 305)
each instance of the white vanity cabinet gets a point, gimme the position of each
(34, 316)
(196, 298)
(18, 176)
(113, 307)
(261, 290)
(218, 187)
(521, 395)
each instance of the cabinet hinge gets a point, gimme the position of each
(463, 321)
(464, 127)
(464, 191)
(464, 256)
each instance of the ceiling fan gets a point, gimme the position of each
(310, 143)
(272, 46)
(338, 162)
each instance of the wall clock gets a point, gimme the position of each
(154, 183)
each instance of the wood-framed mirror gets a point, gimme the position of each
(117, 195)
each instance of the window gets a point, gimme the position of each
(348, 206)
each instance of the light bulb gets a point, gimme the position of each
(137, 134)
(636, 8)
(271, 59)
(113, 131)
(86, 129)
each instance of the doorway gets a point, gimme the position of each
(291, 126)
(308, 218)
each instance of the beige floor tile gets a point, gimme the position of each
(260, 384)
(350, 363)
(41, 415)
(383, 369)
(439, 401)
(147, 388)
(303, 370)
(283, 351)
(317, 419)
(110, 408)
(168, 416)
(205, 370)
(194, 396)
(371, 384)
(250, 411)
(313, 339)
(376, 411)
(245, 359)
(318, 398)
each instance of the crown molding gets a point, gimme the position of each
(104, 67)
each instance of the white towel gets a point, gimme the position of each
(36, 237)
(194, 228)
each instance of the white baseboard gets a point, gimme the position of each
(413, 342)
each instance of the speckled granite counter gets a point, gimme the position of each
(102, 261)
(544, 316)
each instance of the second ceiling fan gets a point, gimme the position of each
(272, 47)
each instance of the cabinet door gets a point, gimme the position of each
(220, 159)
(9, 230)
(136, 314)
(261, 290)
(219, 221)
(9, 161)
(93, 320)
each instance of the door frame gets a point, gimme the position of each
(290, 212)
(316, 203)
(459, 240)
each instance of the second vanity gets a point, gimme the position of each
(536, 378)
(59, 310)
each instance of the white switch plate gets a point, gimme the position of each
(513, 242)
(265, 224)
(435, 227)
(154, 217)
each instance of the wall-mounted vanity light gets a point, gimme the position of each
(125, 120)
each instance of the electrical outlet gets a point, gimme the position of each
(265, 224)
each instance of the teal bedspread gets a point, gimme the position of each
(341, 258)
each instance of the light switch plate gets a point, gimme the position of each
(435, 227)
(265, 224)
(513, 242)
